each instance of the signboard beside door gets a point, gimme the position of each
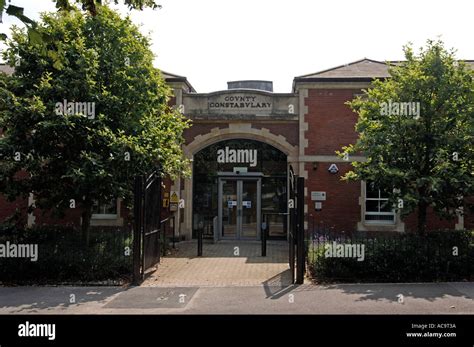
(174, 201)
(318, 196)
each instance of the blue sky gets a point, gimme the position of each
(212, 42)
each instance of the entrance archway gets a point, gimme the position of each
(235, 183)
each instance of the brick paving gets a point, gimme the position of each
(226, 263)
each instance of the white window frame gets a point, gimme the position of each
(371, 213)
(107, 215)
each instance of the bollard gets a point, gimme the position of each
(200, 232)
(174, 231)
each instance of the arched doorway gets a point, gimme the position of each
(236, 182)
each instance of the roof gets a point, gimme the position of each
(361, 70)
(170, 77)
(469, 63)
(364, 68)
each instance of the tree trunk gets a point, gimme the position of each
(86, 222)
(422, 208)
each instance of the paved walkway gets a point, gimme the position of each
(226, 263)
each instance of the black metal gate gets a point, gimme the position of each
(146, 235)
(296, 230)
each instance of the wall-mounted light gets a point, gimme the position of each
(315, 165)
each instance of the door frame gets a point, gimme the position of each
(230, 176)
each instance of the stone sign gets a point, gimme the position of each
(240, 102)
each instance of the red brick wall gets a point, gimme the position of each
(331, 126)
(341, 209)
(432, 222)
(331, 122)
(8, 208)
(469, 215)
(72, 217)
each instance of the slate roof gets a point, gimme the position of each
(170, 77)
(360, 70)
(364, 68)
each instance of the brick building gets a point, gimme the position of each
(242, 142)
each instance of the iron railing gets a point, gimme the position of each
(396, 257)
(265, 230)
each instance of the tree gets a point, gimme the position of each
(416, 130)
(64, 5)
(67, 5)
(81, 124)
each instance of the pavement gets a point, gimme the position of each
(413, 298)
(233, 278)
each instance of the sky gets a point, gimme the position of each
(215, 41)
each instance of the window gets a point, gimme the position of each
(105, 210)
(377, 207)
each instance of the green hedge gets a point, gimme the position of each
(401, 258)
(64, 256)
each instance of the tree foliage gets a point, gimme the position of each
(427, 157)
(65, 5)
(103, 61)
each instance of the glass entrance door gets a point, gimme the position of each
(249, 223)
(239, 208)
(229, 209)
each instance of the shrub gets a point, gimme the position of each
(438, 256)
(63, 255)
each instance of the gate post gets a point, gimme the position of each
(161, 247)
(292, 223)
(300, 233)
(137, 229)
(293, 228)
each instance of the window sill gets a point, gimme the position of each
(369, 226)
(104, 216)
(379, 223)
(116, 221)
